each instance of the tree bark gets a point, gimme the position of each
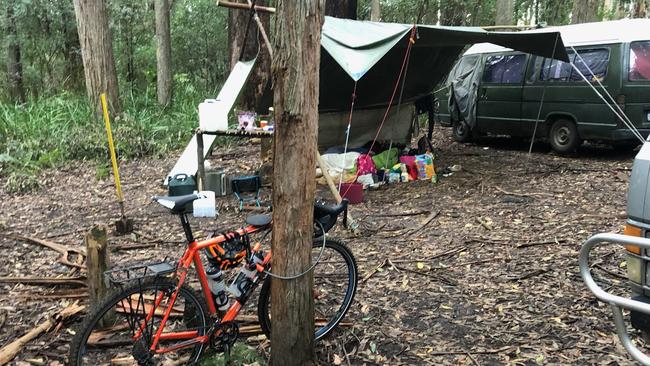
(163, 53)
(375, 11)
(258, 83)
(14, 64)
(453, 12)
(97, 52)
(341, 9)
(505, 10)
(584, 11)
(71, 51)
(295, 75)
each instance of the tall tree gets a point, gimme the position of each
(453, 12)
(14, 64)
(163, 53)
(584, 11)
(505, 11)
(341, 8)
(375, 11)
(97, 52)
(238, 22)
(295, 75)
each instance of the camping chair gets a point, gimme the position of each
(247, 189)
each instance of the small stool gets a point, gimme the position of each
(247, 189)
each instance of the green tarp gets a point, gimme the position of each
(372, 53)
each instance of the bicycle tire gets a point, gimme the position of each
(352, 278)
(78, 344)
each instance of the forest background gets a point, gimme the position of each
(48, 112)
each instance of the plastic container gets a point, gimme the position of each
(211, 116)
(352, 191)
(218, 182)
(181, 184)
(205, 207)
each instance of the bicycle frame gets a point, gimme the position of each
(191, 255)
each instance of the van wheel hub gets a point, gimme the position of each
(563, 135)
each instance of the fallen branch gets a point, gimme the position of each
(611, 273)
(464, 352)
(536, 243)
(539, 194)
(33, 280)
(372, 273)
(484, 223)
(412, 213)
(62, 249)
(416, 229)
(10, 351)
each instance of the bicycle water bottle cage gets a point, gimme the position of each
(231, 252)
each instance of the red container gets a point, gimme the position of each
(352, 191)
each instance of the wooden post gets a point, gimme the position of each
(352, 225)
(200, 179)
(97, 263)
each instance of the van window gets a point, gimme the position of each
(639, 61)
(595, 60)
(504, 69)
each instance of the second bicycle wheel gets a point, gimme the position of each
(335, 283)
(107, 335)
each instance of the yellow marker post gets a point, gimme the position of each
(111, 147)
(123, 225)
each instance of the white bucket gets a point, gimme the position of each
(206, 206)
(212, 116)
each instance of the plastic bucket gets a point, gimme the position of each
(352, 191)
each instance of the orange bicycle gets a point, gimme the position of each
(154, 316)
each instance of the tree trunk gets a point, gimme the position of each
(375, 11)
(505, 10)
(256, 87)
(71, 51)
(341, 9)
(14, 65)
(584, 11)
(295, 75)
(163, 53)
(453, 12)
(97, 52)
(640, 9)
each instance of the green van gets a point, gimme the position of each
(494, 90)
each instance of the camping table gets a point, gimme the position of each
(231, 133)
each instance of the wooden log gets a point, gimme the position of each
(97, 262)
(229, 4)
(34, 280)
(10, 351)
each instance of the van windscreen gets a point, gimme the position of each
(639, 61)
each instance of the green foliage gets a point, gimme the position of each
(241, 355)
(56, 129)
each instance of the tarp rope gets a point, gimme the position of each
(411, 41)
(347, 132)
(621, 114)
(541, 102)
(401, 91)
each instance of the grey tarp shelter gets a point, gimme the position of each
(372, 53)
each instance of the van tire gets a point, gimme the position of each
(563, 136)
(461, 132)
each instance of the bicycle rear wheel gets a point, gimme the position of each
(106, 336)
(335, 283)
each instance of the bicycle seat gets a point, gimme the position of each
(324, 210)
(176, 203)
(258, 220)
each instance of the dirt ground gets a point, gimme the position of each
(483, 271)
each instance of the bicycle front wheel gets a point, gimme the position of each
(109, 334)
(335, 283)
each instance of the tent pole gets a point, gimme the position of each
(352, 225)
